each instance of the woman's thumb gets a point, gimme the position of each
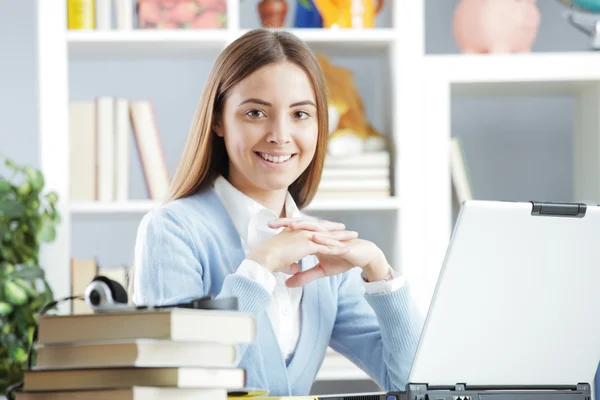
(291, 269)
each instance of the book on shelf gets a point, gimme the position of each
(83, 271)
(373, 159)
(362, 175)
(125, 15)
(100, 132)
(98, 14)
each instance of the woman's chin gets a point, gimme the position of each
(276, 182)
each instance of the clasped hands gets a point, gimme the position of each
(336, 248)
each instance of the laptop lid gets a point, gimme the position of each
(517, 301)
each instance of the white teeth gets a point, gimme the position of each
(275, 159)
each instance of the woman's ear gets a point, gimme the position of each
(217, 126)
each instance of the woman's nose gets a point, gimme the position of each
(280, 132)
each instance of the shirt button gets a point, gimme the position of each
(284, 311)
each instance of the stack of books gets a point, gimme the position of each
(173, 353)
(362, 175)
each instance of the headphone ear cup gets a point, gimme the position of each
(118, 292)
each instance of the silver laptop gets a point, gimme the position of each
(517, 301)
(518, 298)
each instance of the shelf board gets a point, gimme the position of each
(327, 204)
(141, 44)
(357, 40)
(515, 74)
(193, 44)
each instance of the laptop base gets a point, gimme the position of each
(415, 391)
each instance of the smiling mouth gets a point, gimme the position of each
(275, 159)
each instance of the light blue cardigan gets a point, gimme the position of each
(189, 248)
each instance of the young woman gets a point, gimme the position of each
(234, 227)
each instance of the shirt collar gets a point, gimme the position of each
(249, 216)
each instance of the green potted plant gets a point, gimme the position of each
(28, 218)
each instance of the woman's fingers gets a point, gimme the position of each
(318, 226)
(338, 235)
(282, 222)
(327, 241)
(310, 225)
(333, 249)
(291, 269)
(305, 277)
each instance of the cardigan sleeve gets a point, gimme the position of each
(169, 268)
(377, 332)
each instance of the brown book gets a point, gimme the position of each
(177, 324)
(106, 378)
(137, 353)
(150, 149)
(127, 393)
(83, 271)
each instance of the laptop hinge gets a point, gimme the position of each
(558, 209)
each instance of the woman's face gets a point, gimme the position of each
(269, 124)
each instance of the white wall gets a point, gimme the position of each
(18, 80)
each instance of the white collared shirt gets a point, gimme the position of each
(250, 219)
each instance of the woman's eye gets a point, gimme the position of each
(301, 115)
(255, 113)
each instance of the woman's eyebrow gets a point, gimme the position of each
(302, 103)
(258, 101)
(266, 103)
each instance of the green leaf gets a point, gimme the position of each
(11, 210)
(18, 354)
(24, 189)
(5, 185)
(14, 293)
(47, 233)
(52, 198)
(10, 164)
(29, 273)
(5, 308)
(305, 4)
(35, 178)
(7, 269)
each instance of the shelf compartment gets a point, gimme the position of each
(319, 204)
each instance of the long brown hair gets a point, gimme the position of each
(205, 156)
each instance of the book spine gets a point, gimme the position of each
(103, 14)
(81, 14)
(124, 14)
(106, 156)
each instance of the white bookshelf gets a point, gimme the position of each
(421, 91)
(419, 221)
